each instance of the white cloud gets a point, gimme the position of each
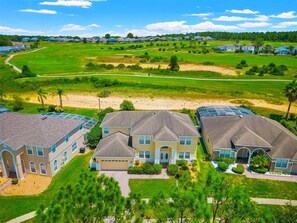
(94, 25)
(74, 3)
(119, 26)
(285, 15)
(285, 24)
(199, 14)
(41, 11)
(261, 18)
(12, 31)
(243, 11)
(230, 18)
(181, 26)
(253, 24)
(72, 27)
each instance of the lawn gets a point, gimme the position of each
(151, 187)
(12, 207)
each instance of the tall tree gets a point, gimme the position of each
(41, 96)
(291, 93)
(107, 35)
(130, 35)
(173, 64)
(60, 92)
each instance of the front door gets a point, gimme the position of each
(164, 157)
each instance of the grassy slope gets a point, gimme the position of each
(11, 207)
(71, 57)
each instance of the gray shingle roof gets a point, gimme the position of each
(18, 129)
(251, 129)
(114, 145)
(151, 123)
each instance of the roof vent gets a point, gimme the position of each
(44, 117)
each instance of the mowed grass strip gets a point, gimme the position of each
(12, 207)
(148, 188)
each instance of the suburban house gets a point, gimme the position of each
(248, 49)
(226, 48)
(148, 136)
(38, 144)
(283, 50)
(239, 134)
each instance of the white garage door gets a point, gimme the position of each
(114, 164)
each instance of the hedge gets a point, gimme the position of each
(172, 169)
(239, 169)
(146, 168)
(223, 166)
(259, 170)
(226, 160)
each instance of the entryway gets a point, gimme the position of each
(164, 157)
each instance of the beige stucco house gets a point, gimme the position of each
(234, 132)
(156, 137)
(37, 144)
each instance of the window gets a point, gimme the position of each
(144, 140)
(147, 154)
(187, 155)
(144, 154)
(141, 154)
(74, 147)
(106, 130)
(54, 148)
(39, 151)
(225, 153)
(42, 169)
(32, 167)
(65, 157)
(184, 155)
(181, 155)
(67, 138)
(56, 165)
(281, 164)
(30, 151)
(185, 140)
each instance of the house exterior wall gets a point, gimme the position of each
(207, 142)
(294, 168)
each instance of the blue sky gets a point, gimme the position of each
(144, 17)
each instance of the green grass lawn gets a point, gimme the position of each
(151, 187)
(12, 207)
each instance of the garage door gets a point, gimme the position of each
(114, 165)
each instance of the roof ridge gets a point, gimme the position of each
(163, 129)
(113, 116)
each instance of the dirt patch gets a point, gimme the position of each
(161, 103)
(3, 180)
(30, 185)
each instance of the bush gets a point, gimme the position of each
(194, 163)
(146, 168)
(127, 106)
(172, 169)
(59, 109)
(94, 136)
(121, 66)
(226, 160)
(239, 169)
(18, 103)
(14, 181)
(104, 93)
(136, 163)
(259, 170)
(135, 170)
(157, 168)
(181, 162)
(51, 108)
(249, 73)
(223, 166)
(194, 169)
(184, 167)
(239, 66)
(292, 117)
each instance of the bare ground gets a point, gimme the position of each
(30, 185)
(161, 103)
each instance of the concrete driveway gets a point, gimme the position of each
(123, 178)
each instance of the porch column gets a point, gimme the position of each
(19, 169)
(3, 167)
(250, 156)
(173, 155)
(157, 155)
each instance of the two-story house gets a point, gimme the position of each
(156, 137)
(37, 144)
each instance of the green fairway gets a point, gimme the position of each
(72, 57)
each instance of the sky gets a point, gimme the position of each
(88, 18)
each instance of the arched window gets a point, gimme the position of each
(42, 168)
(56, 167)
(32, 167)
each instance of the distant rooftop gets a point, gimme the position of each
(213, 111)
(88, 122)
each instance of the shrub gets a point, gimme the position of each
(223, 166)
(135, 170)
(194, 169)
(104, 93)
(94, 135)
(194, 163)
(59, 109)
(146, 168)
(121, 66)
(226, 160)
(259, 170)
(239, 66)
(157, 168)
(172, 169)
(181, 162)
(136, 163)
(127, 106)
(292, 117)
(14, 181)
(239, 169)
(250, 73)
(184, 167)
(18, 103)
(51, 108)
(243, 62)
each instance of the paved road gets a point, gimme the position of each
(12, 55)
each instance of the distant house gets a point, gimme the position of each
(5, 49)
(112, 40)
(25, 39)
(39, 144)
(34, 39)
(225, 48)
(294, 51)
(241, 135)
(283, 50)
(156, 137)
(248, 49)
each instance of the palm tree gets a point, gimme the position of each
(41, 96)
(60, 92)
(2, 95)
(291, 93)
